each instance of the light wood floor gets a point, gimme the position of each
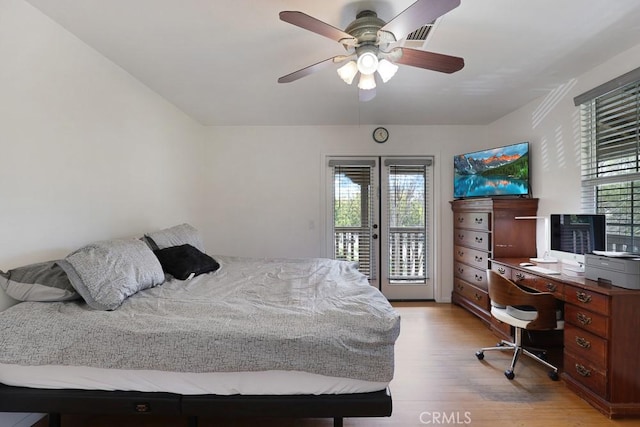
(438, 381)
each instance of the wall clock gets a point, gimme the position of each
(380, 135)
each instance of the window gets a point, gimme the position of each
(611, 159)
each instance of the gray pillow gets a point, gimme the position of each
(183, 234)
(108, 272)
(43, 282)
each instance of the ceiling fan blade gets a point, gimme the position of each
(312, 24)
(313, 68)
(366, 95)
(430, 60)
(418, 14)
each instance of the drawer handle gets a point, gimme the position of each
(478, 239)
(520, 276)
(460, 219)
(478, 297)
(460, 287)
(460, 254)
(583, 342)
(551, 287)
(478, 258)
(460, 270)
(583, 297)
(583, 318)
(479, 221)
(460, 236)
(502, 270)
(581, 370)
(479, 278)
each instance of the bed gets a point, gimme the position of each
(155, 325)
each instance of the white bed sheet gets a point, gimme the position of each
(185, 383)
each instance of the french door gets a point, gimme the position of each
(381, 213)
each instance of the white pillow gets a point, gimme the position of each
(183, 234)
(108, 272)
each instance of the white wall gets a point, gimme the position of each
(552, 125)
(265, 185)
(87, 152)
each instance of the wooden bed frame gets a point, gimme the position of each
(57, 402)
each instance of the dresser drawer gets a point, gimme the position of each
(470, 256)
(586, 345)
(478, 296)
(586, 299)
(587, 320)
(472, 220)
(475, 276)
(586, 373)
(473, 239)
(539, 283)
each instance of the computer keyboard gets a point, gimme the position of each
(541, 270)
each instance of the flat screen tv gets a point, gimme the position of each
(502, 171)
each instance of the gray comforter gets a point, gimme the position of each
(318, 316)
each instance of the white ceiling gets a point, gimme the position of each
(219, 61)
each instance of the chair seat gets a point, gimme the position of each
(504, 315)
(525, 312)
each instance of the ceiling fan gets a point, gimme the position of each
(369, 42)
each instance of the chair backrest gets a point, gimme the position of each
(505, 292)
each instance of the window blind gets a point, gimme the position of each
(611, 163)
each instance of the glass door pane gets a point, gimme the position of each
(354, 214)
(406, 244)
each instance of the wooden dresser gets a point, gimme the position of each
(601, 360)
(484, 228)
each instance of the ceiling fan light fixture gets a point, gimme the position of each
(386, 69)
(367, 63)
(367, 81)
(348, 72)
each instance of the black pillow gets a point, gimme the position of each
(184, 260)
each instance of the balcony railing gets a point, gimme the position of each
(407, 252)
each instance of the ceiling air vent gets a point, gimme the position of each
(421, 33)
(417, 38)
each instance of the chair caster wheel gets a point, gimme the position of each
(509, 374)
(553, 375)
(480, 355)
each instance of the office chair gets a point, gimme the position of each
(524, 311)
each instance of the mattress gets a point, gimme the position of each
(185, 383)
(306, 326)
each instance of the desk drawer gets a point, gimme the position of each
(505, 271)
(475, 276)
(478, 296)
(473, 239)
(470, 256)
(586, 373)
(587, 320)
(502, 328)
(587, 299)
(586, 345)
(472, 220)
(538, 283)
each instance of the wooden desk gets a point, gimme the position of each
(601, 336)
